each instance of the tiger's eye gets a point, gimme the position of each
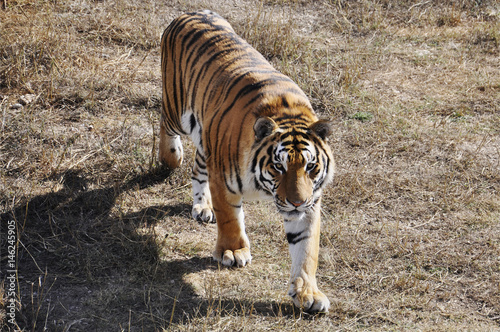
(310, 167)
(279, 167)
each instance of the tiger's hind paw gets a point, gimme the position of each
(171, 152)
(203, 213)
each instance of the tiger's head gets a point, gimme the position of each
(292, 162)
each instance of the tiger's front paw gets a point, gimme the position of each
(308, 297)
(203, 213)
(238, 257)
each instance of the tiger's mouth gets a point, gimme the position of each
(295, 214)
(291, 211)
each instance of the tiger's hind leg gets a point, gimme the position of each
(202, 199)
(171, 152)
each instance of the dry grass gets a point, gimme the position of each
(410, 237)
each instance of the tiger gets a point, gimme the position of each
(256, 137)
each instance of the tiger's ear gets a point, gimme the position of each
(322, 128)
(263, 127)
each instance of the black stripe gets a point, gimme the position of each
(200, 160)
(224, 92)
(237, 157)
(199, 172)
(294, 238)
(295, 134)
(290, 117)
(222, 166)
(270, 152)
(194, 38)
(261, 163)
(252, 64)
(264, 180)
(256, 158)
(228, 187)
(284, 102)
(249, 88)
(198, 180)
(298, 123)
(326, 162)
(257, 184)
(192, 123)
(201, 76)
(189, 34)
(244, 91)
(230, 160)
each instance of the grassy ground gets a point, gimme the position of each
(411, 234)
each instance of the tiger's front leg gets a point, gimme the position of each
(303, 239)
(233, 246)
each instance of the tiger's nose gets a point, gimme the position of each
(297, 203)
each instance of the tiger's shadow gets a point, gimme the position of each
(79, 254)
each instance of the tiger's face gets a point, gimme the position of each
(293, 164)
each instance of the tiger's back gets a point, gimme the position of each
(214, 82)
(255, 134)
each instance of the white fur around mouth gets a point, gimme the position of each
(293, 213)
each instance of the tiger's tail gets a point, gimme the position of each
(170, 152)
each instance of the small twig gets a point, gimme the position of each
(182, 187)
(33, 258)
(70, 324)
(419, 4)
(84, 158)
(132, 74)
(425, 223)
(4, 113)
(153, 148)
